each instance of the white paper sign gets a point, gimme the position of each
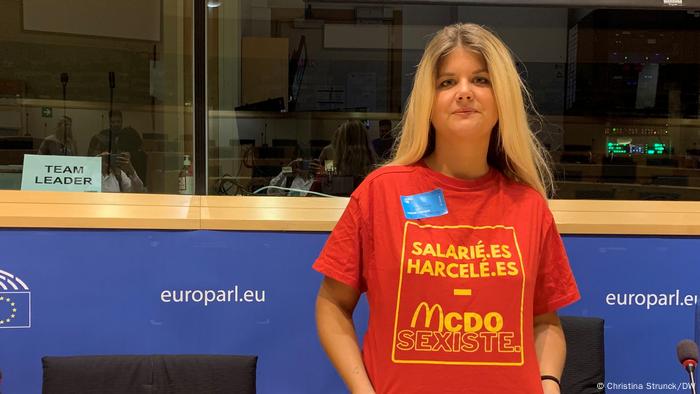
(62, 173)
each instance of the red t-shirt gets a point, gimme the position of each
(451, 297)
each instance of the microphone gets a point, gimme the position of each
(112, 85)
(687, 351)
(64, 82)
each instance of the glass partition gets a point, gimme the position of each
(617, 90)
(120, 89)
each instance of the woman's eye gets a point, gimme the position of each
(446, 83)
(482, 80)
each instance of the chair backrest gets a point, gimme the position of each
(153, 374)
(585, 355)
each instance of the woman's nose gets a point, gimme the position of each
(464, 91)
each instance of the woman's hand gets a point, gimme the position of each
(550, 346)
(315, 167)
(335, 304)
(123, 161)
(305, 167)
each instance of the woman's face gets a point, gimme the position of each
(464, 107)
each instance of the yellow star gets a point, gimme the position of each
(2, 321)
(12, 316)
(1, 298)
(12, 304)
(14, 309)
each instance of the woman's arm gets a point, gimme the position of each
(280, 180)
(550, 347)
(334, 306)
(136, 183)
(127, 176)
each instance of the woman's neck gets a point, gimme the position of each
(465, 162)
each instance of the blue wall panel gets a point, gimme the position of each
(99, 292)
(640, 339)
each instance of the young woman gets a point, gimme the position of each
(453, 241)
(118, 172)
(350, 151)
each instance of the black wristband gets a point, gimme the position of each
(550, 377)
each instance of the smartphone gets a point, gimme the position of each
(113, 159)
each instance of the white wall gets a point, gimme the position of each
(132, 19)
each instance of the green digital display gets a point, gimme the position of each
(655, 149)
(658, 149)
(614, 148)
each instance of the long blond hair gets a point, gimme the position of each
(514, 149)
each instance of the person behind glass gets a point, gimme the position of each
(452, 241)
(382, 145)
(124, 139)
(349, 150)
(300, 176)
(118, 173)
(61, 142)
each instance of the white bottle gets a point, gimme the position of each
(186, 180)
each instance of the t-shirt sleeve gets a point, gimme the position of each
(556, 286)
(341, 257)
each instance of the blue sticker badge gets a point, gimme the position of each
(424, 205)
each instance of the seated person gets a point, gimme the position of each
(61, 142)
(302, 178)
(124, 139)
(350, 151)
(118, 174)
(350, 159)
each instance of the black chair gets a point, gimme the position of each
(153, 374)
(585, 355)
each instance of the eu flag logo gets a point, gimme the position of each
(14, 309)
(15, 302)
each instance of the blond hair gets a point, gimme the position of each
(513, 149)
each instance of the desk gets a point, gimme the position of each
(153, 211)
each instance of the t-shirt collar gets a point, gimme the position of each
(481, 182)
